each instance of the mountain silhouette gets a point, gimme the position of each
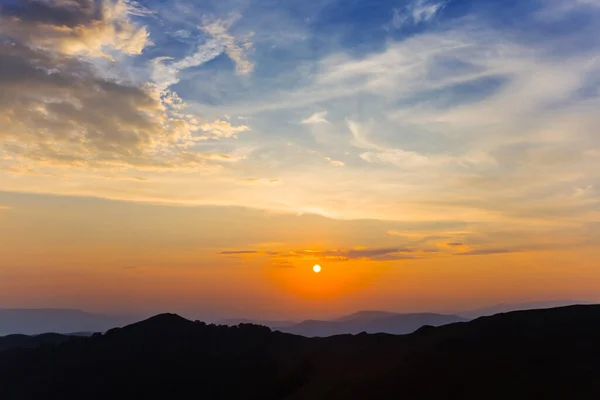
(25, 341)
(538, 354)
(508, 307)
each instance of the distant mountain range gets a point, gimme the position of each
(77, 322)
(36, 321)
(389, 322)
(538, 354)
(362, 321)
(371, 322)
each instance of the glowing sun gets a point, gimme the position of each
(317, 268)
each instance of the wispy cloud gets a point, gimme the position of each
(220, 41)
(236, 48)
(335, 163)
(316, 118)
(415, 12)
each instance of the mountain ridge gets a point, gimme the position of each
(549, 353)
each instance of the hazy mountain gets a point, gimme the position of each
(361, 321)
(540, 354)
(371, 322)
(364, 316)
(503, 307)
(36, 321)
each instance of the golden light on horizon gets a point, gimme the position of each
(317, 268)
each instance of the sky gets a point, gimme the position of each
(201, 157)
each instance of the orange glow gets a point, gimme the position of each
(337, 280)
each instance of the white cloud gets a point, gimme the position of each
(222, 129)
(236, 48)
(166, 73)
(335, 163)
(316, 118)
(399, 158)
(414, 13)
(360, 136)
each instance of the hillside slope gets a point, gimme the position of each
(541, 354)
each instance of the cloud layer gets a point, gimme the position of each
(431, 111)
(58, 108)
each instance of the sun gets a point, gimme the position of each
(317, 268)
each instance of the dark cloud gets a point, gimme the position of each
(66, 13)
(483, 252)
(374, 254)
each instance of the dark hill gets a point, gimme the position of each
(541, 354)
(24, 341)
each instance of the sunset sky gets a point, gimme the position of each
(201, 156)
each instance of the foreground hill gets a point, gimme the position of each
(508, 307)
(541, 354)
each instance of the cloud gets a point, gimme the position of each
(460, 122)
(166, 73)
(415, 12)
(557, 9)
(233, 252)
(371, 254)
(335, 163)
(316, 118)
(223, 129)
(4, 208)
(399, 158)
(59, 110)
(236, 49)
(282, 264)
(86, 27)
(485, 252)
(407, 159)
(261, 181)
